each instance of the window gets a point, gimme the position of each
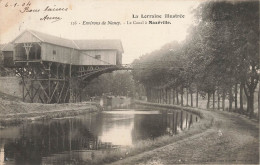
(98, 57)
(54, 54)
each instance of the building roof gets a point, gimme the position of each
(77, 44)
(99, 45)
(7, 47)
(54, 39)
(1, 46)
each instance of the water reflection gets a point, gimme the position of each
(76, 139)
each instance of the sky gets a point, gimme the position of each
(137, 39)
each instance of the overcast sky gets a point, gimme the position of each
(136, 39)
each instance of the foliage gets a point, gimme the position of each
(118, 83)
(220, 51)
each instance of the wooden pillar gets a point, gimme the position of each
(63, 71)
(33, 72)
(49, 82)
(57, 70)
(23, 84)
(27, 47)
(23, 91)
(70, 85)
(31, 95)
(35, 53)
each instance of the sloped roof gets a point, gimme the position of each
(7, 47)
(78, 44)
(99, 45)
(54, 39)
(1, 46)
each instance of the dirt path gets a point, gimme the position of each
(232, 139)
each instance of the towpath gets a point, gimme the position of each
(232, 139)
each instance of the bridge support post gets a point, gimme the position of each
(52, 82)
(43, 82)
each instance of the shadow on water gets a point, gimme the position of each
(72, 140)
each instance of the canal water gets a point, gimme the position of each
(68, 140)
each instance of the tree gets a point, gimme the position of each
(220, 52)
(233, 43)
(118, 83)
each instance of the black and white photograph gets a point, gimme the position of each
(129, 82)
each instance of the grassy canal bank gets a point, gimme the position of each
(219, 138)
(14, 111)
(121, 156)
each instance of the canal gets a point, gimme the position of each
(68, 140)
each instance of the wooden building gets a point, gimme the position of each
(100, 52)
(36, 46)
(54, 69)
(6, 53)
(1, 54)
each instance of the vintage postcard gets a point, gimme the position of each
(129, 82)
